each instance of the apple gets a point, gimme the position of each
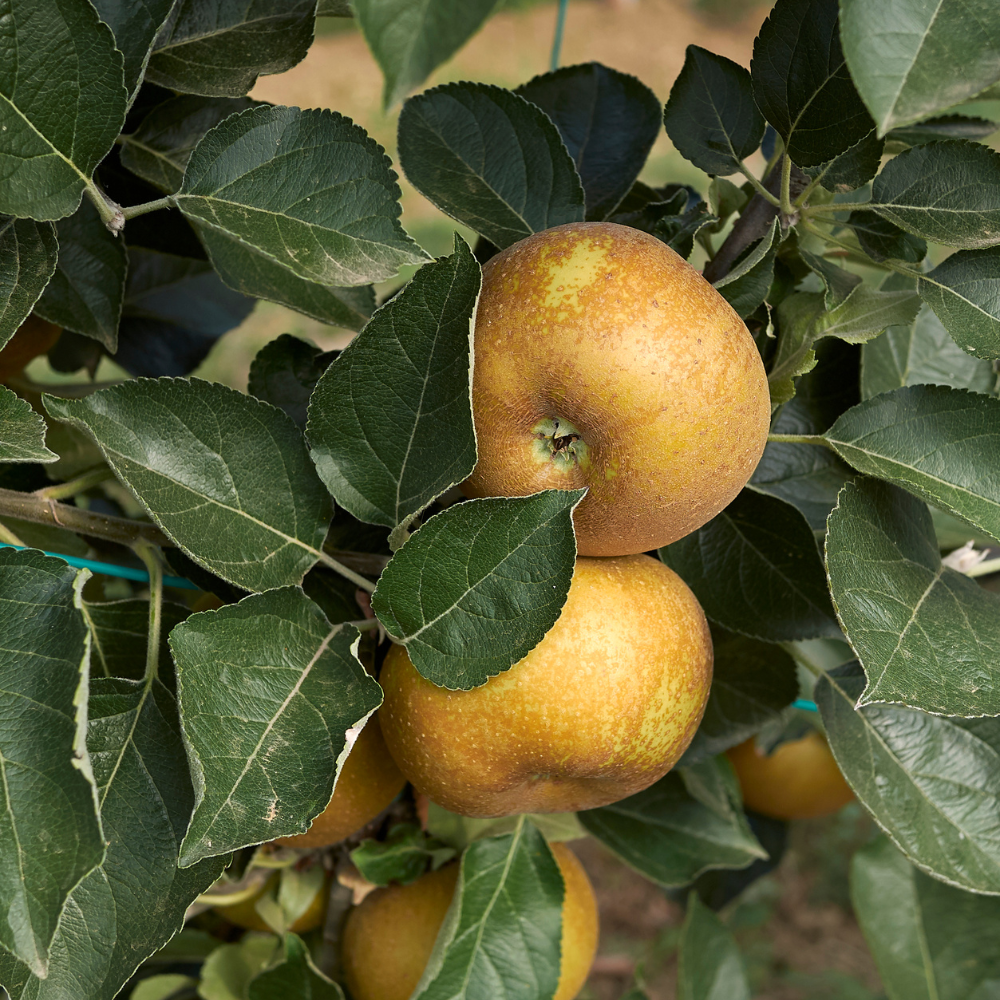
(601, 708)
(603, 359)
(33, 337)
(368, 782)
(799, 780)
(388, 939)
(244, 913)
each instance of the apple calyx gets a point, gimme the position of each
(558, 442)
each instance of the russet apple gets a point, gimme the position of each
(603, 359)
(601, 708)
(35, 336)
(388, 939)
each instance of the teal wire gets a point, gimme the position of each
(808, 706)
(112, 569)
(557, 41)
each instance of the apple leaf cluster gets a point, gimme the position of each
(850, 214)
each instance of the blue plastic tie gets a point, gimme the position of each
(805, 705)
(111, 569)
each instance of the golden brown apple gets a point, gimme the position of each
(388, 939)
(601, 708)
(33, 337)
(799, 780)
(368, 782)
(603, 359)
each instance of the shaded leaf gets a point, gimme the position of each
(490, 159)
(285, 372)
(296, 976)
(22, 431)
(709, 965)
(854, 167)
(964, 291)
(135, 26)
(943, 127)
(746, 286)
(28, 254)
(839, 283)
(883, 240)
(402, 857)
(119, 631)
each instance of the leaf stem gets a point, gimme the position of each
(786, 186)
(758, 186)
(885, 265)
(338, 567)
(62, 490)
(8, 536)
(365, 624)
(110, 211)
(148, 206)
(808, 190)
(798, 439)
(154, 566)
(840, 206)
(558, 38)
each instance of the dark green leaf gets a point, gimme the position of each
(930, 941)
(402, 857)
(853, 168)
(964, 291)
(334, 8)
(609, 122)
(947, 192)
(62, 104)
(911, 59)
(28, 254)
(267, 689)
(927, 636)
(489, 159)
(285, 372)
(50, 834)
(940, 443)
(839, 283)
(119, 631)
(801, 83)
(135, 26)
(690, 821)
(931, 783)
(86, 292)
(679, 231)
(409, 40)
(159, 149)
(709, 964)
(220, 48)
(22, 431)
(501, 935)
(307, 190)
(746, 286)
(711, 116)
(922, 352)
(756, 570)
(296, 976)
(883, 240)
(944, 127)
(478, 586)
(390, 422)
(752, 683)
(245, 502)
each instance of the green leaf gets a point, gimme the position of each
(402, 857)
(161, 987)
(944, 127)
(459, 831)
(854, 167)
(245, 502)
(940, 443)
(62, 104)
(135, 26)
(679, 231)
(489, 159)
(752, 683)
(931, 783)
(501, 935)
(230, 968)
(219, 48)
(478, 586)
(267, 689)
(964, 291)
(947, 192)
(839, 283)
(883, 240)
(927, 636)
(307, 190)
(159, 149)
(50, 834)
(119, 631)
(756, 570)
(922, 352)
(801, 83)
(930, 941)
(709, 964)
(609, 122)
(410, 40)
(28, 254)
(86, 292)
(687, 823)
(911, 59)
(390, 422)
(22, 431)
(285, 372)
(711, 116)
(746, 286)
(296, 976)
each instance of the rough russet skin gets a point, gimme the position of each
(388, 939)
(601, 708)
(607, 331)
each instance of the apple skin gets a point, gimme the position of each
(33, 337)
(799, 780)
(606, 330)
(601, 708)
(368, 782)
(388, 939)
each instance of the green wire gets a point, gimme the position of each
(111, 569)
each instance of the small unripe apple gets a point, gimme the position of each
(368, 782)
(799, 780)
(601, 708)
(388, 939)
(603, 359)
